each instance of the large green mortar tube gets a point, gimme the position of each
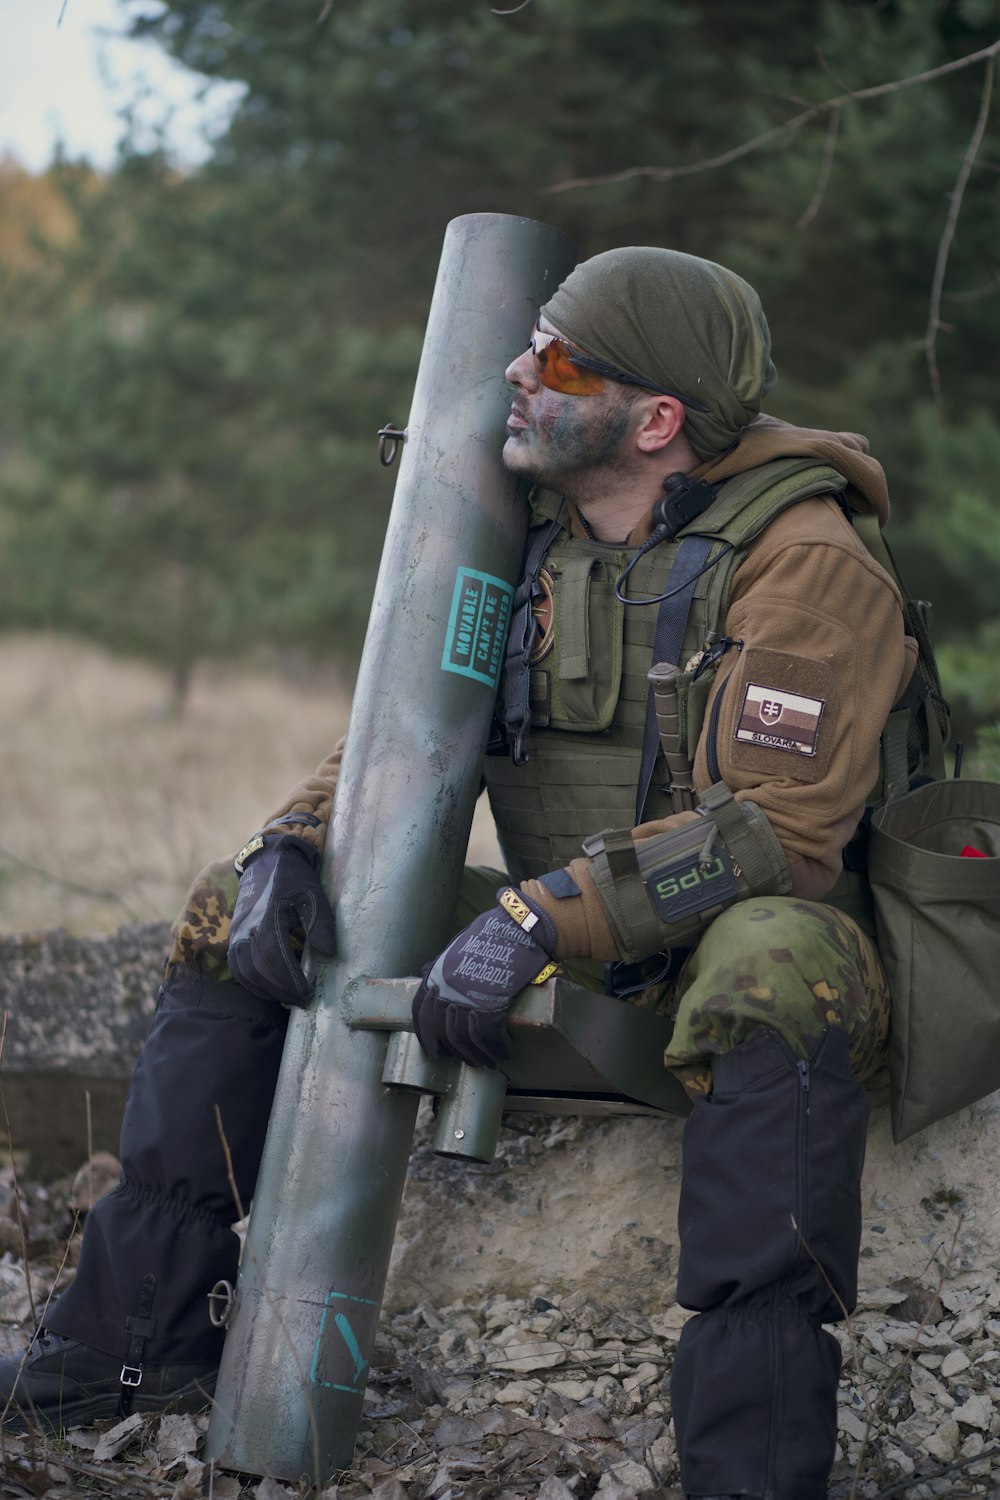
(302, 1330)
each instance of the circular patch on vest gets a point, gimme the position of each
(543, 612)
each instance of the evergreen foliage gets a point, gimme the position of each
(191, 384)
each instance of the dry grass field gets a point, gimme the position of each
(109, 803)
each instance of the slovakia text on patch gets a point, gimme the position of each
(779, 720)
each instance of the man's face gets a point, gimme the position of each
(553, 436)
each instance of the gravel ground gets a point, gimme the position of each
(549, 1396)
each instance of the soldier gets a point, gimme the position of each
(646, 365)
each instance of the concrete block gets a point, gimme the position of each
(76, 1012)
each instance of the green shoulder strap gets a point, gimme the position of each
(747, 504)
(928, 713)
(742, 509)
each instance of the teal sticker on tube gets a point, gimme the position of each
(477, 626)
(346, 1326)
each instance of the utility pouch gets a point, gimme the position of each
(663, 679)
(937, 912)
(693, 689)
(585, 666)
(679, 700)
(664, 891)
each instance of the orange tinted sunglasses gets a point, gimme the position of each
(563, 368)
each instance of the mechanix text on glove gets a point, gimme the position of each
(461, 1007)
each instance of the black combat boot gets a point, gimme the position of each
(135, 1322)
(770, 1225)
(58, 1383)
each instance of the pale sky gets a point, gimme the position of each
(69, 80)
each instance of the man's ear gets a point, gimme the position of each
(660, 424)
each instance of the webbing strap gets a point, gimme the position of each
(520, 643)
(615, 872)
(895, 754)
(868, 529)
(671, 623)
(140, 1326)
(751, 845)
(574, 625)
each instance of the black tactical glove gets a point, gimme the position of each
(462, 1005)
(280, 904)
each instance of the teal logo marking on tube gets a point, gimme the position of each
(477, 626)
(337, 1361)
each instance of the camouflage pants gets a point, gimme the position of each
(795, 966)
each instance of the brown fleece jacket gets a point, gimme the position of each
(817, 617)
(313, 795)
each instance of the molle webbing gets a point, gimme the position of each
(520, 639)
(577, 781)
(585, 744)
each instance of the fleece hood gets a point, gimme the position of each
(768, 438)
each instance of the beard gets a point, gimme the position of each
(566, 436)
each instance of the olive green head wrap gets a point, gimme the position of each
(678, 322)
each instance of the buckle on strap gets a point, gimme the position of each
(140, 1326)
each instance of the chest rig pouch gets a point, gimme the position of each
(575, 670)
(577, 676)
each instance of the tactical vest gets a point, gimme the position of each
(588, 684)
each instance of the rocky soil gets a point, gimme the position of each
(549, 1395)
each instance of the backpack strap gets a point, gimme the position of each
(671, 625)
(927, 710)
(521, 641)
(741, 510)
(748, 503)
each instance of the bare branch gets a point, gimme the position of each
(61, 14)
(512, 12)
(70, 885)
(90, 1151)
(845, 1313)
(825, 168)
(324, 12)
(976, 293)
(230, 1174)
(955, 66)
(706, 164)
(871, 1406)
(821, 59)
(946, 1471)
(929, 343)
(815, 111)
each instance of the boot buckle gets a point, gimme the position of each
(131, 1376)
